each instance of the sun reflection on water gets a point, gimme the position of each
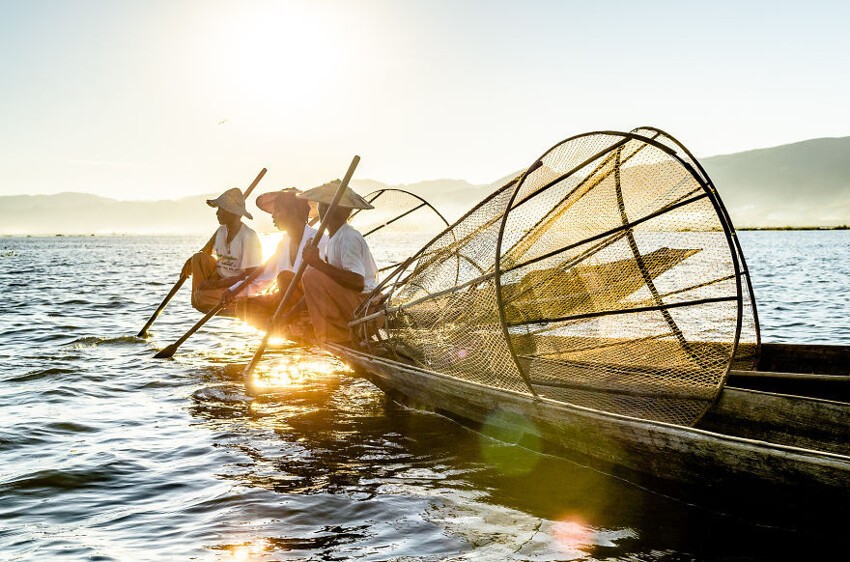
(245, 328)
(294, 369)
(248, 551)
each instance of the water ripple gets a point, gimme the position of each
(108, 454)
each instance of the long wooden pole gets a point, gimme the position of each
(296, 280)
(234, 291)
(206, 249)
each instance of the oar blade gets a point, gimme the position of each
(166, 353)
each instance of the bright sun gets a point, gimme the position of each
(279, 54)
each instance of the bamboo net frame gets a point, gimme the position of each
(607, 276)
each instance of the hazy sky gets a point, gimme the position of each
(160, 99)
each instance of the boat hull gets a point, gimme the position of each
(726, 468)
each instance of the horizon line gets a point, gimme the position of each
(398, 184)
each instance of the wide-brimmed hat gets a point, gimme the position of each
(231, 201)
(325, 194)
(268, 201)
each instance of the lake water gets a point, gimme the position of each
(108, 454)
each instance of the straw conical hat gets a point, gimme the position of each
(325, 194)
(231, 201)
(267, 201)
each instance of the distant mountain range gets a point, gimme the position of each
(801, 184)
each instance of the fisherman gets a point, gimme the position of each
(335, 287)
(237, 252)
(290, 214)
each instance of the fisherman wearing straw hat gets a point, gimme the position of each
(289, 214)
(237, 252)
(334, 287)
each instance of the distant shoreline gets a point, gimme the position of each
(126, 234)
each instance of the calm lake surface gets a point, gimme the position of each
(108, 454)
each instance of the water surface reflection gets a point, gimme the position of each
(361, 476)
(107, 454)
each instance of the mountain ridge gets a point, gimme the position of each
(806, 183)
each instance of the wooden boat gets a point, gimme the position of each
(817, 371)
(601, 304)
(757, 453)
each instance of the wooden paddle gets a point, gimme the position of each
(249, 368)
(235, 290)
(206, 249)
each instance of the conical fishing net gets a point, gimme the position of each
(606, 276)
(749, 344)
(400, 223)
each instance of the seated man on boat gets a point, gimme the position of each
(237, 252)
(335, 287)
(290, 215)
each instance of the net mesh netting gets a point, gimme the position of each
(749, 345)
(400, 223)
(606, 276)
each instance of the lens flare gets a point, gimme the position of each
(508, 439)
(572, 533)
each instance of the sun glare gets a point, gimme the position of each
(269, 243)
(293, 370)
(249, 551)
(279, 55)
